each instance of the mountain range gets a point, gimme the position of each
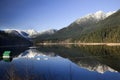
(96, 27)
(14, 37)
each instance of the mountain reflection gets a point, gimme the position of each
(85, 62)
(59, 63)
(88, 55)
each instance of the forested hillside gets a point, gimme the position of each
(89, 30)
(107, 30)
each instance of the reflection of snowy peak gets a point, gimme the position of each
(29, 54)
(97, 67)
(99, 15)
(32, 53)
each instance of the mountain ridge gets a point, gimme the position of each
(76, 30)
(14, 38)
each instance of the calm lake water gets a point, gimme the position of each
(70, 62)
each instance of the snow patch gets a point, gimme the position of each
(97, 16)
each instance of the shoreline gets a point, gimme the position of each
(96, 44)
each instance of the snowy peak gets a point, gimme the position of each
(22, 33)
(102, 15)
(17, 32)
(97, 16)
(31, 32)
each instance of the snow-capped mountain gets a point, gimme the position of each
(31, 32)
(97, 16)
(20, 33)
(11, 37)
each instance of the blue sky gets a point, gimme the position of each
(49, 14)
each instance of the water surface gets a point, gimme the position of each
(70, 62)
